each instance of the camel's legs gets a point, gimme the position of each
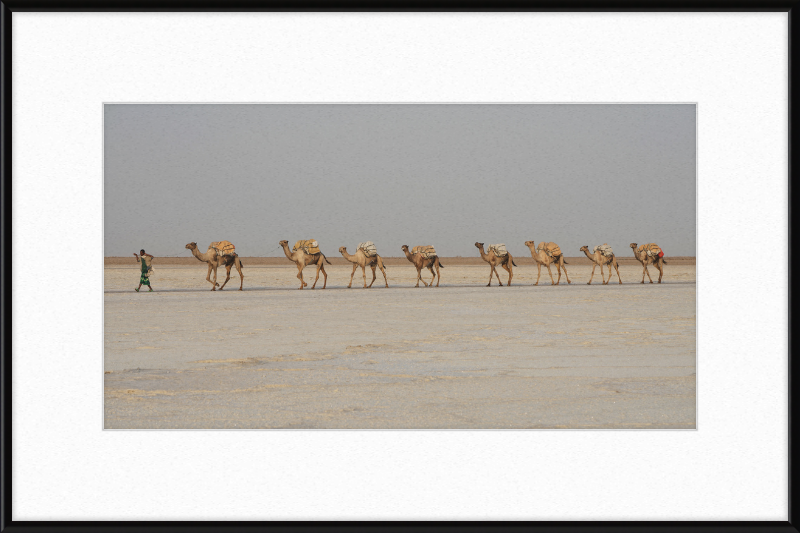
(660, 271)
(355, 266)
(364, 275)
(438, 276)
(325, 279)
(239, 269)
(603, 276)
(508, 267)
(592, 276)
(496, 274)
(539, 265)
(380, 265)
(228, 272)
(300, 276)
(646, 272)
(616, 267)
(552, 282)
(492, 273)
(430, 267)
(419, 277)
(215, 267)
(563, 265)
(372, 266)
(208, 277)
(319, 266)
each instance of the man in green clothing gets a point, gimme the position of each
(145, 260)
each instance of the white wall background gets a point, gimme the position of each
(735, 66)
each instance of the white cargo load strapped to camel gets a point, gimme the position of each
(426, 251)
(550, 248)
(498, 249)
(309, 246)
(369, 248)
(605, 249)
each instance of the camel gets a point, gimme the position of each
(420, 261)
(361, 260)
(505, 261)
(645, 260)
(215, 261)
(302, 259)
(597, 258)
(542, 258)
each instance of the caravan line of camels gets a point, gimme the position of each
(307, 253)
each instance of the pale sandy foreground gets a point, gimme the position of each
(460, 356)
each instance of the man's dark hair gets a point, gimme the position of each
(141, 251)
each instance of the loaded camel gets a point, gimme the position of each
(215, 261)
(361, 260)
(641, 255)
(505, 261)
(302, 259)
(420, 261)
(541, 258)
(597, 258)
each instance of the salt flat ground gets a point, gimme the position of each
(460, 356)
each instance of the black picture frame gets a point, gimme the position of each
(7, 9)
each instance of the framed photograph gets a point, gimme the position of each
(396, 266)
(580, 356)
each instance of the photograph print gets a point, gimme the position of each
(399, 266)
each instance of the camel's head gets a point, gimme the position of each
(191, 246)
(404, 247)
(529, 244)
(634, 245)
(284, 243)
(342, 249)
(584, 248)
(478, 245)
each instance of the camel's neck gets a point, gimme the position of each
(483, 254)
(590, 256)
(409, 256)
(538, 255)
(198, 255)
(349, 257)
(287, 252)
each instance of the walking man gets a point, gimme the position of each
(146, 260)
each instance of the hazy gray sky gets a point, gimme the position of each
(446, 175)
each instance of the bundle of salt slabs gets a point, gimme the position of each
(605, 249)
(425, 251)
(498, 249)
(550, 248)
(148, 261)
(369, 248)
(652, 249)
(222, 248)
(309, 246)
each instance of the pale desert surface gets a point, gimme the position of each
(460, 356)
